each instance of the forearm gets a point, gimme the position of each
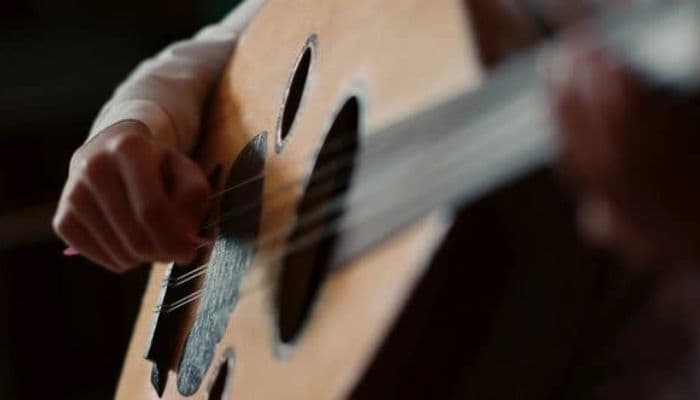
(167, 92)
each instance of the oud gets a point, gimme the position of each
(342, 141)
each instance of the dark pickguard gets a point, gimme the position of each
(163, 342)
(230, 258)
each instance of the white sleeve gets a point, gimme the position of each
(167, 92)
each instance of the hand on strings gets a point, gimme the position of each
(130, 199)
(632, 152)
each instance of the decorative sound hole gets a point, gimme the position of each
(220, 388)
(295, 93)
(306, 265)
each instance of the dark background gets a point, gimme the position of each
(65, 324)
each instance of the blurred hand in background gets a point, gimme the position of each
(632, 152)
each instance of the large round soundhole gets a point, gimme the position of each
(318, 213)
(295, 93)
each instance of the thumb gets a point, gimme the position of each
(188, 188)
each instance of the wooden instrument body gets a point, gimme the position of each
(395, 57)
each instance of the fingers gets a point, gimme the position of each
(142, 169)
(97, 226)
(110, 191)
(114, 205)
(130, 200)
(72, 231)
(98, 200)
(79, 204)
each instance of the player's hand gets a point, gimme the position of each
(632, 152)
(130, 199)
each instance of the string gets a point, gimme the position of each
(333, 227)
(184, 277)
(270, 237)
(339, 144)
(301, 159)
(274, 237)
(338, 165)
(278, 232)
(192, 297)
(337, 206)
(321, 175)
(317, 178)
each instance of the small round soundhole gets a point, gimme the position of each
(305, 266)
(220, 388)
(295, 93)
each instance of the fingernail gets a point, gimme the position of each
(596, 220)
(198, 240)
(70, 252)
